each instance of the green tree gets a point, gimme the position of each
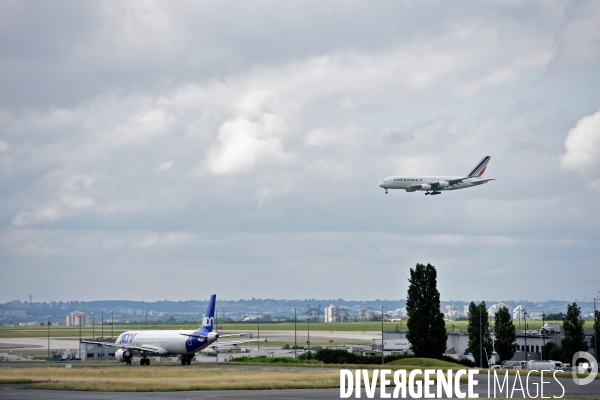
(547, 349)
(478, 317)
(596, 331)
(426, 326)
(556, 353)
(506, 336)
(574, 339)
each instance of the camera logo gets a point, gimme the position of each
(592, 361)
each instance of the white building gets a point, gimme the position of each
(77, 318)
(496, 307)
(519, 313)
(332, 313)
(466, 311)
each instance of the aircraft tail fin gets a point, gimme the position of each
(209, 315)
(479, 168)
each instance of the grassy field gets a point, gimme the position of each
(150, 379)
(416, 362)
(65, 331)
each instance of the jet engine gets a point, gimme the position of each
(425, 187)
(123, 355)
(443, 184)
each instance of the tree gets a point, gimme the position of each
(556, 353)
(426, 326)
(574, 339)
(478, 317)
(506, 336)
(547, 349)
(556, 317)
(596, 331)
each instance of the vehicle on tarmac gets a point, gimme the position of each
(183, 344)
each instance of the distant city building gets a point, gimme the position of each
(332, 314)
(495, 308)
(15, 313)
(77, 318)
(519, 313)
(466, 311)
(452, 312)
(366, 314)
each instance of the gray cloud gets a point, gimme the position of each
(178, 139)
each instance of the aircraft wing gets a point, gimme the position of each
(479, 182)
(236, 343)
(204, 336)
(143, 347)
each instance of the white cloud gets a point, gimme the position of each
(583, 146)
(242, 144)
(165, 166)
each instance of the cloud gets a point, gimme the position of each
(167, 165)
(583, 147)
(139, 136)
(241, 144)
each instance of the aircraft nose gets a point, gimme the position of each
(381, 184)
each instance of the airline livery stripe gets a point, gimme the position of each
(481, 165)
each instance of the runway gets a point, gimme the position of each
(551, 388)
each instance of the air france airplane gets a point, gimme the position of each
(170, 343)
(435, 184)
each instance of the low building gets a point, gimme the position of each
(97, 351)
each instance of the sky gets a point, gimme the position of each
(168, 150)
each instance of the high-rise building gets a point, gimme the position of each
(77, 318)
(332, 314)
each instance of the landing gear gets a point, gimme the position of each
(186, 359)
(385, 191)
(433, 193)
(128, 362)
(145, 360)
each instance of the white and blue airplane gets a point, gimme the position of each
(170, 343)
(435, 184)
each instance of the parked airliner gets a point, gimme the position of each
(435, 184)
(170, 343)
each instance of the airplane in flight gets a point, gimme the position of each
(435, 184)
(170, 343)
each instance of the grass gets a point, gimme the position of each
(73, 332)
(424, 363)
(275, 360)
(149, 379)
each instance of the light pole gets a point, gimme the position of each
(146, 320)
(112, 324)
(217, 329)
(79, 335)
(308, 341)
(525, 322)
(596, 325)
(258, 312)
(93, 336)
(48, 324)
(480, 340)
(295, 337)
(103, 323)
(543, 336)
(382, 356)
